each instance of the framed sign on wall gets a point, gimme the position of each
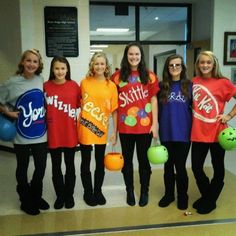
(230, 48)
(61, 31)
(233, 75)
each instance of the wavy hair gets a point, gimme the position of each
(20, 69)
(216, 73)
(96, 55)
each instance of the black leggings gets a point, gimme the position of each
(23, 152)
(199, 153)
(143, 142)
(178, 153)
(86, 157)
(56, 157)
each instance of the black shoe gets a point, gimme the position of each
(182, 203)
(166, 201)
(100, 199)
(206, 207)
(90, 199)
(43, 205)
(198, 203)
(29, 209)
(69, 202)
(59, 203)
(143, 201)
(130, 198)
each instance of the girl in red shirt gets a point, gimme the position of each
(62, 100)
(137, 117)
(210, 93)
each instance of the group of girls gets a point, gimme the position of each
(59, 114)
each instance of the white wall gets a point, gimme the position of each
(33, 36)
(10, 46)
(224, 20)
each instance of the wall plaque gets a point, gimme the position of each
(61, 31)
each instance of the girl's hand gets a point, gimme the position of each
(113, 138)
(223, 118)
(12, 114)
(153, 130)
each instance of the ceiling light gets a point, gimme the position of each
(115, 30)
(99, 46)
(156, 18)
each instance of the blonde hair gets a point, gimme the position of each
(96, 55)
(216, 73)
(36, 53)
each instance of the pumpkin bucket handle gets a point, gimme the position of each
(155, 142)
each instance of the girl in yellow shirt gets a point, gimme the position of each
(99, 101)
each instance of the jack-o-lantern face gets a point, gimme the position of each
(157, 154)
(227, 138)
(114, 161)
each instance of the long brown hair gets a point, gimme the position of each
(125, 70)
(62, 60)
(167, 79)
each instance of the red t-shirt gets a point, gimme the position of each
(134, 111)
(62, 103)
(209, 98)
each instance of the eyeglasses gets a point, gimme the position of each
(175, 66)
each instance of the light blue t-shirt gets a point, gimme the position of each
(27, 96)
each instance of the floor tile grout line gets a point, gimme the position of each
(138, 227)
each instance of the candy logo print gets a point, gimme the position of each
(31, 122)
(206, 107)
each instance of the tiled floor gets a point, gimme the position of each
(116, 217)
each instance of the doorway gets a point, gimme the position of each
(159, 61)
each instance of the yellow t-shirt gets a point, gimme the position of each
(99, 100)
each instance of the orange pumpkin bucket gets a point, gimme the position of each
(114, 161)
